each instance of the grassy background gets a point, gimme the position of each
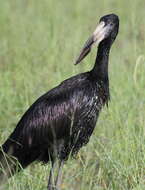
(39, 41)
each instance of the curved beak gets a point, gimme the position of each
(97, 36)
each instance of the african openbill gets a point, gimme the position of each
(61, 121)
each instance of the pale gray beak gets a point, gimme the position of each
(97, 36)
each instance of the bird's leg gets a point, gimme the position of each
(51, 177)
(55, 185)
(59, 174)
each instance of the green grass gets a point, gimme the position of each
(39, 41)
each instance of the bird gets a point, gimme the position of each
(62, 120)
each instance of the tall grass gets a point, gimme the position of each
(39, 41)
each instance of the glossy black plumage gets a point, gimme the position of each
(76, 101)
(61, 121)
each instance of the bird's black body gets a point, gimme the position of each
(67, 113)
(61, 121)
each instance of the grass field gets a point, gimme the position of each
(39, 41)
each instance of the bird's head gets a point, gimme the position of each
(106, 31)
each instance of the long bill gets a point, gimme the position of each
(97, 36)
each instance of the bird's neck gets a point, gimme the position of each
(100, 69)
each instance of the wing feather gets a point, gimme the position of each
(48, 117)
